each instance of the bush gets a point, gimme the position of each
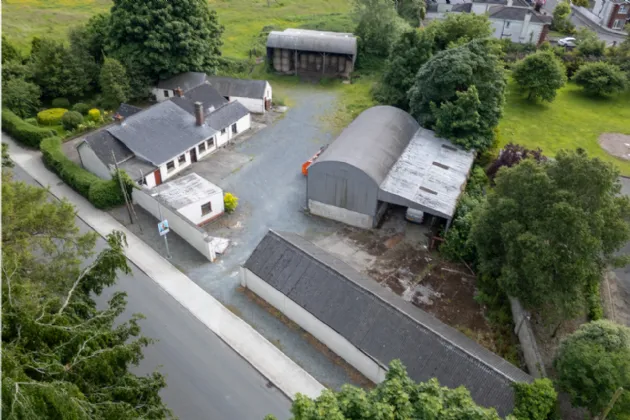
(600, 78)
(534, 401)
(94, 115)
(20, 130)
(594, 302)
(71, 120)
(60, 103)
(101, 193)
(51, 116)
(511, 155)
(230, 202)
(20, 96)
(81, 108)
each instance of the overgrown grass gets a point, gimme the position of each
(572, 120)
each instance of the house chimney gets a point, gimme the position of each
(199, 113)
(509, 3)
(526, 21)
(119, 118)
(179, 92)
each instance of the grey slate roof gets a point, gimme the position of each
(186, 190)
(381, 324)
(242, 88)
(126, 110)
(227, 115)
(373, 142)
(103, 143)
(462, 8)
(161, 132)
(137, 168)
(184, 81)
(318, 41)
(513, 13)
(206, 94)
(520, 3)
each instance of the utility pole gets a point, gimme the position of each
(612, 402)
(168, 252)
(123, 190)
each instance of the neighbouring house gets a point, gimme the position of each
(125, 111)
(368, 325)
(185, 81)
(482, 6)
(156, 143)
(614, 14)
(192, 196)
(255, 95)
(302, 51)
(384, 157)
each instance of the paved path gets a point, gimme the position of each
(202, 365)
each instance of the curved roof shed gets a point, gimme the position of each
(317, 41)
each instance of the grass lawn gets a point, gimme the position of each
(572, 120)
(243, 19)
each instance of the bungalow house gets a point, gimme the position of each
(156, 143)
(255, 95)
(165, 89)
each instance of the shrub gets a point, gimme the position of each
(20, 130)
(71, 120)
(81, 108)
(51, 116)
(511, 155)
(534, 401)
(20, 96)
(105, 194)
(594, 302)
(60, 103)
(94, 115)
(540, 75)
(600, 78)
(230, 202)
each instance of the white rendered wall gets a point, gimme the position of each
(92, 163)
(178, 167)
(149, 179)
(339, 214)
(193, 211)
(159, 94)
(334, 341)
(255, 105)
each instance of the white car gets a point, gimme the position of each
(567, 42)
(414, 216)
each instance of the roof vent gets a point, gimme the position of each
(451, 148)
(428, 190)
(441, 165)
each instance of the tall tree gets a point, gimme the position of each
(61, 356)
(459, 28)
(455, 70)
(600, 78)
(397, 397)
(561, 14)
(114, 83)
(21, 97)
(56, 71)
(409, 53)
(96, 33)
(592, 364)
(540, 75)
(460, 120)
(589, 44)
(549, 229)
(378, 26)
(165, 37)
(9, 51)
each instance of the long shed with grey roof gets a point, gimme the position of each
(255, 95)
(296, 51)
(384, 157)
(368, 325)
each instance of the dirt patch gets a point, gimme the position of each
(616, 144)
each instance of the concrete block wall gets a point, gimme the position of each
(523, 329)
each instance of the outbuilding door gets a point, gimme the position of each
(158, 176)
(267, 104)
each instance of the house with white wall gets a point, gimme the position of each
(166, 88)
(613, 14)
(255, 95)
(155, 144)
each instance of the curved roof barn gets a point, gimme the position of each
(317, 41)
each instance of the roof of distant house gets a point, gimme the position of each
(520, 3)
(513, 13)
(189, 189)
(161, 132)
(381, 324)
(242, 88)
(316, 41)
(184, 81)
(126, 110)
(227, 115)
(462, 7)
(103, 144)
(206, 94)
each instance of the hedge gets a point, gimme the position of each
(81, 107)
(60, 103)
(103, 194)
(51, 116)
(20, 130)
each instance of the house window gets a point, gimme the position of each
(223, 131)
(623, 9)
(170, 166)
(507, 25)
(206, 208)
(181, 159)
(211, 142)
(202, 147)
(166, 94)
(618, 24)
(233, 128)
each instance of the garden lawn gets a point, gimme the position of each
(572, 120)
(243, 19)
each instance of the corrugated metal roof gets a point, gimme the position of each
(373, 141)
(184, 81)
(317, 41)
(430, 173)
(186, 190)
(380, 323)
(242, 88)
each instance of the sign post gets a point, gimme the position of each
(164, 229)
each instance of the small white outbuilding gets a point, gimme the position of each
(255, 95)
(195, 198)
